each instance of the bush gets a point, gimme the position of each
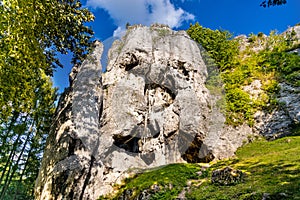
(266, 59)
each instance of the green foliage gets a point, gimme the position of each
(31, 34)
(269, 3)
(286, 65)
(22, 140)
(239, 108)
(265, 59)
(216, 43)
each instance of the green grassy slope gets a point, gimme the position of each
(272, 169)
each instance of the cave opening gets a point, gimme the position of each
(128, 142)
(194, 152)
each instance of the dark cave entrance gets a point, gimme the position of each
(197, 152)
(128, 142)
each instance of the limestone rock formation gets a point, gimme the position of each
(145, 111)
(71, 166)
(279, 122)
(155, 103)
(150, 108)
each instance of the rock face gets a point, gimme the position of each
(279, 122)
(150, 108)
(155, 100)
(71, 165)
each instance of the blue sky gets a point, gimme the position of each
(236, 16)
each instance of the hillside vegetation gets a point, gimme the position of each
(242, 60)
(272, 170)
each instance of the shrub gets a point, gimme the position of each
(266, 59)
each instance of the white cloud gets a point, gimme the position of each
(119, 32)
(143, 12)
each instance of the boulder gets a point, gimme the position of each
(227, 176)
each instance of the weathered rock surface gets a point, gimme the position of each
(280, 121)
(145, 111)
(150, 108)
(155, 101)
(227, 176)
(71, 166)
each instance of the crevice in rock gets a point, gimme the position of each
(182, 68)
(71, 194)
(154, 86)
(132, 62)
(100, 111)
(88, 177)
(170, 134)
(73, 145)
(128, 142)
(191, 155)
(156, 135)
(141, 50)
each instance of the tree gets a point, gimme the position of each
(217, 43)
(32, 33)
(22, 141)
(269, 3)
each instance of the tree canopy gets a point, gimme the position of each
(268, 3)
(32, 33)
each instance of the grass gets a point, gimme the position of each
(170, 179)
(272, 168)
